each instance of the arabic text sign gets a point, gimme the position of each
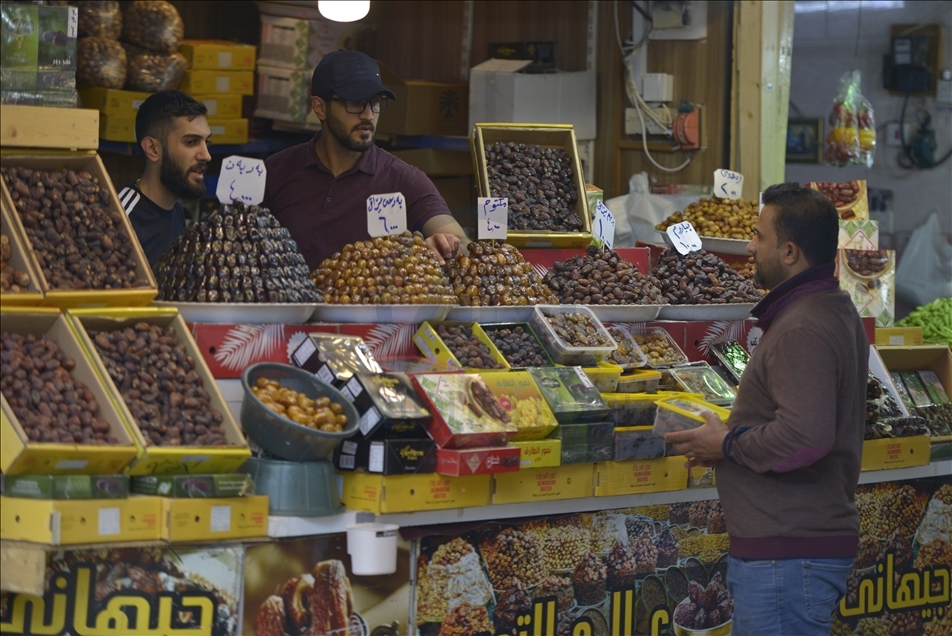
(728, 184)
(684, 237)
(386, 214)
(603, 225)
(241, 179)
(492, 218)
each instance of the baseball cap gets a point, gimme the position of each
(351, 74)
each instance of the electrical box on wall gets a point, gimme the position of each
(685, 20)
(905, 67)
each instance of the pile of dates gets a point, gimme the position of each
(238, 254)
(701, 278)
(519, 347)
(157, 380)
(78, 240)
(540, 185)
(576, 329)
(721, 218)
(601, 277)
(495, 273)
(388, 270)
(466, 347)
(11, 279)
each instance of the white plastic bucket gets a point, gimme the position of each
(372, 548)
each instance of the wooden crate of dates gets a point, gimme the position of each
(99, 244)
(547, 203)
(202, 442)
(17, 269)
(42, 442)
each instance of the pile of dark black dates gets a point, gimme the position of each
(79, 240)
(238, 254)
(540, 185)
(495, 273)
(518, 346)
(467, 348)
(602, 277)
(701, 278)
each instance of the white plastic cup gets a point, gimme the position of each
(372, 548)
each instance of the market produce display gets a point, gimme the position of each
(539, 183)
(11, 279)
(154, 25)
(576, 329)
(841, 194)
(718, 218)
(883, 416)
(384, 270)
(935, 319)
(702, 278)
(518, 346)
(102, 19)
(320, 414)
(466, 347)
(318, 602)
(601, 277)
(101, 61)
(495, 273)
(150, 71)
(238, 254)
(79, 241)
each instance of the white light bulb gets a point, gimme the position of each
(343, 10)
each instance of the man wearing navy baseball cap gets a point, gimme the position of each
(319, 189)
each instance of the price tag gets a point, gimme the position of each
(727, 184)
(386, 214)
(492, 218)
(241, 179)
(603, 225)
(684, 237)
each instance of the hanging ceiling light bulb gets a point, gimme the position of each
(343, 10)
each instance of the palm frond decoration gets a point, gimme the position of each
(247, 343)
(390, 340)
(721, 331)
(541, 270)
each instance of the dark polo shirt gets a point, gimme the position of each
(324, 213)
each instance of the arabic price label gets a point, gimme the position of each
(386, 214)
(603, 225)
(492, 218)
(684, 237)
(728, 184)
(241, 179)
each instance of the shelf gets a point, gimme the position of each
(436, 142)
(281, 527)
(253, 147)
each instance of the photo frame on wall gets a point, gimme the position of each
(805, 140)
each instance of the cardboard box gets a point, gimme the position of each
(388, 404)
(228, 131)
(639, 476)
(218, 54)
(66, 486)
(463, 409)
(111, 101)
(221, 105)
(589, 452)
(477, 461)
(334, 358)
(224, 130)
(859, 234)
(431, 345)
(895, 452)
(585, 432)
(285, 94)
(381, 494)
(20, 456)
(19, 261)
(935, 358)
(387, 456)
(38, 47)
(637, 442)
(206, 82)
(544, 484)
(214, 519)
(899, 336)
(424, 108)
(520, 397)
(302, 44)
(194, 486)
(539, 453)
(56, 99)
(117, 128)
(498, 92)
(84, 521)
(874, 295)
(541, 54)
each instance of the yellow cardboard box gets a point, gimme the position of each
(214, 519)
(431, 345)
(540, 453)
(118, 128)
(640, 475)
(518, 394)
(112, 101)
(895, 452)
(411, 493)
(204, 82)
(228, 131)
(544, 484)
(81, 521)
(225, 130)
(221, 105)
(898, 336)
(218, 54)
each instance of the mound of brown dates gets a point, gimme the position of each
(576, 329)
(601, 277)
(702, 278)
(518, 346)
(49, 403)
(495, 273)
(11, 280)
(467, 348)
(540, 185)
(78, 240)
(157, 380)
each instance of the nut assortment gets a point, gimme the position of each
(466, 347)
(79, 241)
(563, 548)
(659, 350)
(540, 185)
(514, 553)
(11, 280)
(667, 545)
(867, 262)
(622, 563)
(384, 270)
(158, 382)
(452, 576)
(841, 194)
(719, 218)
(607, 528)
(238, 254)
(518, 346)
(899, 511)
(558, 586)
(49, 403)
(589, 580)
(100, 61)
(493, 274)
(319, 414)
(576, 329)
(515, 600)
(646, 553)
(153, 25)
(701, 278)
(465, 619)
(601, 277)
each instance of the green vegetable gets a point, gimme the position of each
(935, 320)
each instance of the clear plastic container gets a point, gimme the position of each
(584, 432)
(631, 409)
(701, 378)
(628, 355)
(637, 442)
(683, 413)
(640, 381)
(570, 394)
(567, 353)
(605, 376)
(659, 348)
(588, 452)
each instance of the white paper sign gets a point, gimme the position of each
(241, 179)
(386, 214)
(492, 218)
(603, 225)
(727, 184)
(684, 237)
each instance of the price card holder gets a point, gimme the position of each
(386, 214)
(492, 218)
(684, 237)
(603, 226)
(241, 179)
(728, 184)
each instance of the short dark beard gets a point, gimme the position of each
(337, 130)
(175, 177)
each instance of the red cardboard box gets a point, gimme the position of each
(477, 461)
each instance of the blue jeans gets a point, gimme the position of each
(785, 597)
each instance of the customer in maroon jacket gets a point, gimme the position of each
(319, 189)
(788, 457)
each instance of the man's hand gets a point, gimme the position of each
(443, 245)
(701, 445)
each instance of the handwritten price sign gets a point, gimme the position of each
(241, 179)
(727, 184)
(684, 237)
(493, 218)
(386, 214)
(603, 225)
